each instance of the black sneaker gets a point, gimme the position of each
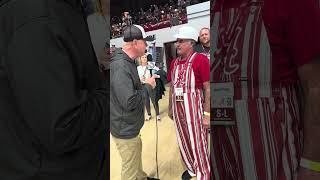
(186, 175)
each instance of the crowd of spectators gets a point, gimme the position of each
(154, 17)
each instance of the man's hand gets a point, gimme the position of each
(104, 58)
(151, 81)
(206, 121)
(309, 77)
(170, 112)
(142, 79)
(206, 117)
(306, 174)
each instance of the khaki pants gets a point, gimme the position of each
(130, 152)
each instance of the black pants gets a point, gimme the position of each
(150, 94)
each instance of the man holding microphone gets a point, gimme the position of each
(127, 102)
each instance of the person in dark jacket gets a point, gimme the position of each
(204, 42)
(161, 83)
(53, 99)
(127, 102)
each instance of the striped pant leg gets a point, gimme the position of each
(264, 145)
(183, 137)
(198, 135)
(225, 162)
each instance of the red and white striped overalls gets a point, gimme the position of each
(188, 114)
(264, 143)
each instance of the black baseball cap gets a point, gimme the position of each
(137, 32)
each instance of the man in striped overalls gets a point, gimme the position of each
(189, 104)
(266, 51)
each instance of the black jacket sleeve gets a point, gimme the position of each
(128, 96)
(45, 79)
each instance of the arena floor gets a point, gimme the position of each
(170, 163)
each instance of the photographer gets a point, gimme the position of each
(144, 72)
